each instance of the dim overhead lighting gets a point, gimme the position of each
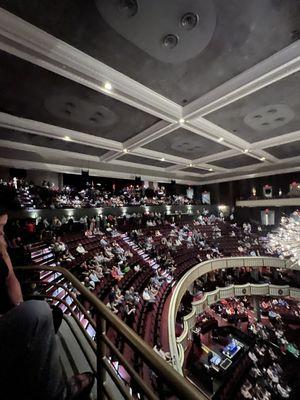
(67, 138)
(181, 121)
(263, 159)
(107, 86)
(221, 139)
(246, 151)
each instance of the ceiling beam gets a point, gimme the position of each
(32, 44)
(252, 175)
(69, 169)
(277, 140)
(56, 132)
(216, 133)
(154, 132)
(217, 156)
(150, 134)
(276, 67)
(48, 151)
(157, 155)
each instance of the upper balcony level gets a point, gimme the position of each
(271, 202)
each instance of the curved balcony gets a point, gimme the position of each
(177, 345)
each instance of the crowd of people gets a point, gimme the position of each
(272, 361)
(161, 238)
(27, 195)
(266, 379)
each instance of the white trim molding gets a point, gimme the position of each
(276, 67)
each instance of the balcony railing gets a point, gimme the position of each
(175, 344)
(209, 298)
(104, 347)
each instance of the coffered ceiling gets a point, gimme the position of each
(199, 91)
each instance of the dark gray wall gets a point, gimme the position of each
(118, 211)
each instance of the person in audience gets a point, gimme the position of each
(100, 258)
(80, 249)
(103, 242)
(112, 306)
(88, 283)
(30, 367)
(116, 273)
(130, 311)
(163, 354)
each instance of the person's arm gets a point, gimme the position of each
(12, 283)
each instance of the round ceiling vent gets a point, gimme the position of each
(128, 8)
(269, 117)
(189, 20)
(189, 147)
(74, 109)
(168, 30)
(170, 41)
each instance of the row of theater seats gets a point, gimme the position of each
(42, 255)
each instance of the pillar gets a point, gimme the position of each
(256, 308)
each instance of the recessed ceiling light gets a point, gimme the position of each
(125, 151)
(67, 138)
(246, 151)
(221, 139)
(163, 159)
(107, 86)
(263, 159)
(210, 169)
(181, 121)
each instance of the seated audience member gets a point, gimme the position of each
(89, 283)
(103, 242)
(30, 367)
(89, 234)
(100, 258)
(67, 256)
(116, 273)
(245, 390)
(112, 306)
(163, 354)
(108, 252)
(130, 311)
(128, 254)
(137, 268)
(80, 249)
(96, 231)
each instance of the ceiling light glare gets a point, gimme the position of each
(67, 138)
(246, 151)
(190, 164)
(107, 86)
(263, 159)
(221, 139)
(181, 121)
(163, 159)
(125, 151)
(210, 170)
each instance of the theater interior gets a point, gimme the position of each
(150, 199)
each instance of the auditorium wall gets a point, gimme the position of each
(117, 211)
(228, 192)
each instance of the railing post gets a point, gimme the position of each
(101, 354)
